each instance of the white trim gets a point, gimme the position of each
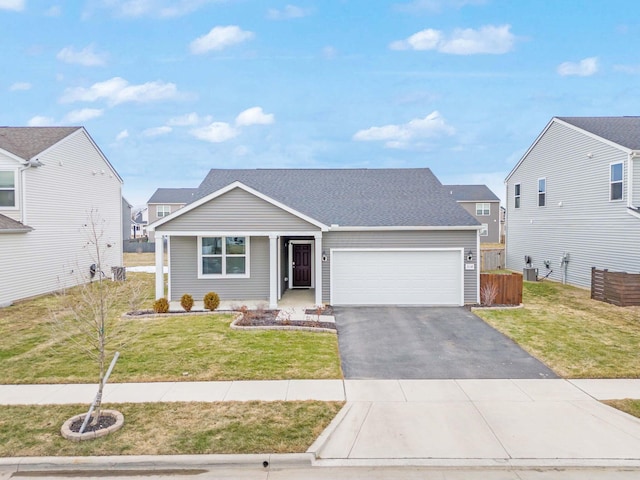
(446, 249)
(516, 196)
(273, 272)
(232, 233)
(481, 214)
(228, 188)
(621, 181)
(542, 193)
(629, 180)
(18, 188)
(478, 267)
(223, 256)
(279, 262)
(486, 230)
(13, 156)
(159, 265)
(168, 268)
(337, 228)
(313, 259)
(318, 265)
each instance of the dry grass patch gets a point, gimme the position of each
(630, 406)
(575, 336)
(171, 428)
(141, 259)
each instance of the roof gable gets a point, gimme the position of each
(623, 131)
(27, 142)
(471, 193)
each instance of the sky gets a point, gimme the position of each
(170, 89)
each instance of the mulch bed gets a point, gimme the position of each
(105, 421)
(268, 318)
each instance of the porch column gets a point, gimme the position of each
(318, 268)
(159, 265)
(273, 270)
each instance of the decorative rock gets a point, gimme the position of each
(79, 437)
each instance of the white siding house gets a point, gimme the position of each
(51, 178)
(574, 195)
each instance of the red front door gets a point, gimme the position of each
(301, 265)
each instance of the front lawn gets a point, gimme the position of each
(575, 336)
(177, 348)
(170, 428)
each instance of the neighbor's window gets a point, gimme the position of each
(224, 256)
(616, 175)
(542, 192)
(516, 196)
(7, 188)
(484, 231)
(163, 210)
(483, 209)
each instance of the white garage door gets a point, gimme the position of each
(383, 277)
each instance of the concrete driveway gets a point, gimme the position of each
(427, 343)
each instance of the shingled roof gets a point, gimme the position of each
(471, 193)
(173, 195)
(625, 131)
(9, 225)
(352, 197)
(27, 142)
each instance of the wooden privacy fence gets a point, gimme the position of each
(491, 259)
(507, 288)
(618, 288)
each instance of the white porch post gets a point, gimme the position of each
(318, 268)
(159, 265)
(273, 270)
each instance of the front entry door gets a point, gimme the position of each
(301, 265)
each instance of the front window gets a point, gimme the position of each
(542, 192)
(163, 210)
(484, 230)
(516, 196)
(616, 175)
(7, 189)
(483, 209)
(224, 256)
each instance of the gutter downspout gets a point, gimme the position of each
(23, 193)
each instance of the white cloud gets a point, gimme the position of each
(122, 135)
(117, 90)
(584, 68)
(86, 56)
(82, 115)
(155, 8)
(16, 5)
(156, 131)
(216, 132)
(399, 136)
(288, 12)
(20, 86)
(489, 39)
(40, 121)
(53, 11)
(219, 38)
(188, 120)
(254, 116)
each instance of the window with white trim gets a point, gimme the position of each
(223, 256)
(7, 189)
(163, 210)
(516, 195)
(616, 175)
(484, 230)
(542, 192)
(483, 209)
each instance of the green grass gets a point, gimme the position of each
(176, 348)
(632, 407)
(170, 428)
(575, 336)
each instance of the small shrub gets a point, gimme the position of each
(488, 294)
(211, 301)
(187, 302)
(161, 305)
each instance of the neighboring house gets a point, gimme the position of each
(126, 219)
(165, 201)
(483, 204)
(356, 237)
(139, 224)
(50, 180)
(573, 198)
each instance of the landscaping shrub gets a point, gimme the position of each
(161, 305)
(211, 301)
(187, 302)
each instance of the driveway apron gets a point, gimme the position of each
(428, 343)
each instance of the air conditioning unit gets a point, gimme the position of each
(530, 274)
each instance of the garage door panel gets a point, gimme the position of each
(396, 278)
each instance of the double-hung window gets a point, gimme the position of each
(163, 210)
(7, 189)
(484, 230)
(483, 209)
(542, 192)
(616, 175)
(223, 256)
(516, 195)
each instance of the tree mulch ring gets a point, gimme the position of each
(105, 421)
(269, 318)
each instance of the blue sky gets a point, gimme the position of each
(171, 89)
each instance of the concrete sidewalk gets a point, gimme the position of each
(438, 423)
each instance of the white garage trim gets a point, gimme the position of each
(397, 276)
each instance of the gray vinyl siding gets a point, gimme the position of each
(492, 220)
(152, 209)
(59, 195)
(578, 217)
(184, 273)
(635, 200)
(237, 210)
(403, 239)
